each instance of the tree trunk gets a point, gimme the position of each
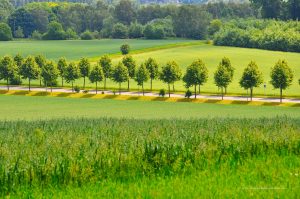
(96, 88)
(62, 82)
(46, 85)
(40, 82)
(84, 83)
(280, 94)
(29, 83)
(143, 89)
(195, 91)
(169, 90)
(7, 84)
(128, 85)
(151, 84)
(222, 93)
(251, 93)
(72, 87)
(104, 83)
(119, 88)
(199, 89)
(173, 87)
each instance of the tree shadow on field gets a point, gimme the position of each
(3, 91)
(212, 101)
(134, 98)
(88, 96)
(21, 92)
(184, 100)
(160, 99)
(296, 105)
(43, 93)
(240, 102)
(110, 96)
(271, 104)
(64, 94)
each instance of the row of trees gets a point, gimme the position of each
(263, 34)
(195, 76)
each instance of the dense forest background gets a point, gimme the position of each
(256, 23)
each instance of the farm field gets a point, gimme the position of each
(129, 158)
(210, 54)
(41, 108)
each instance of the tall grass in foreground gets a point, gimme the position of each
(80, 151)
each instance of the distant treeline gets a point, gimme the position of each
(263, 34)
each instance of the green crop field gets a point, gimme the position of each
(184, 55)
(35, 108)
(127, 158)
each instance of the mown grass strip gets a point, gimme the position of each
(146, 98)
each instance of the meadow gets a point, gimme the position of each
(133, 158)
(182, 51)
(43, 108)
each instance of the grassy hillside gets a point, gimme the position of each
(35, 108)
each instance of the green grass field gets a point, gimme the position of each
(211, 55)
(36, 108)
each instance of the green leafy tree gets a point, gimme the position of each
(169, 74)
(40, 60)
(222, 78)
(7, 69)
(130, 64)
(18, 59)
(106, 65)
(142, 75)
(49, 73)
(61, 66)
(196, 75)
(281, 76)
(125, 12)
(19, 33)
(85, 69)
(55, 32)
(251, 78)
(178, 75)
(135, 30)
(96, 76)
(120, 74)
(227, 64)
(120, 31)
(71, 74)
(125, 49)
(30, 70)
(5, 32)
(152, 67)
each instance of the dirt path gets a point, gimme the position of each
(234, 98)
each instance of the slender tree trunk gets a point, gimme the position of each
(222, 93)
(72, 87)
(46, 85)
(62, 82)
(84, 83)
(173, 87)
(151, 84)
(119, 88)
(29, 83)
(195, 91)
(280, 94)
(104, 83)
(169, 90)
(143, 89)
(128, 85)
(251, 93)
(96, 88)
(7, 84)
(199, 88)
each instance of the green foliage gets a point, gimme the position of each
(125, 49)
(96, 75)
(120, 74)
(71, 34)
(214, 26)
(281, 76)
(77, 89)
(170, 73)
(142, 75)
(120, 31)
(8, 69)
(49, 73)
(267, 34)
(135, 30)
(125, 12)
(162, 93)
(55, 32)
(188, 94)
(87, 35)
(152, 67)
(19, 33)
(222, 77)
(36, 35)
(154, 32)
(251, 77)
(71, 73)
(130, 64)
(40, 60)
(196, 74)
(5, 32)
(61, 66)
(29, 69)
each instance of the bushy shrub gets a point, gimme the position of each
(162, 93)
(77, 89)
(71, 34)
(5, 32)
(36, 35)
(55, 32)
(120, 31)
(87, 35)
(188, 94)
(136, 30)
(154, 32)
